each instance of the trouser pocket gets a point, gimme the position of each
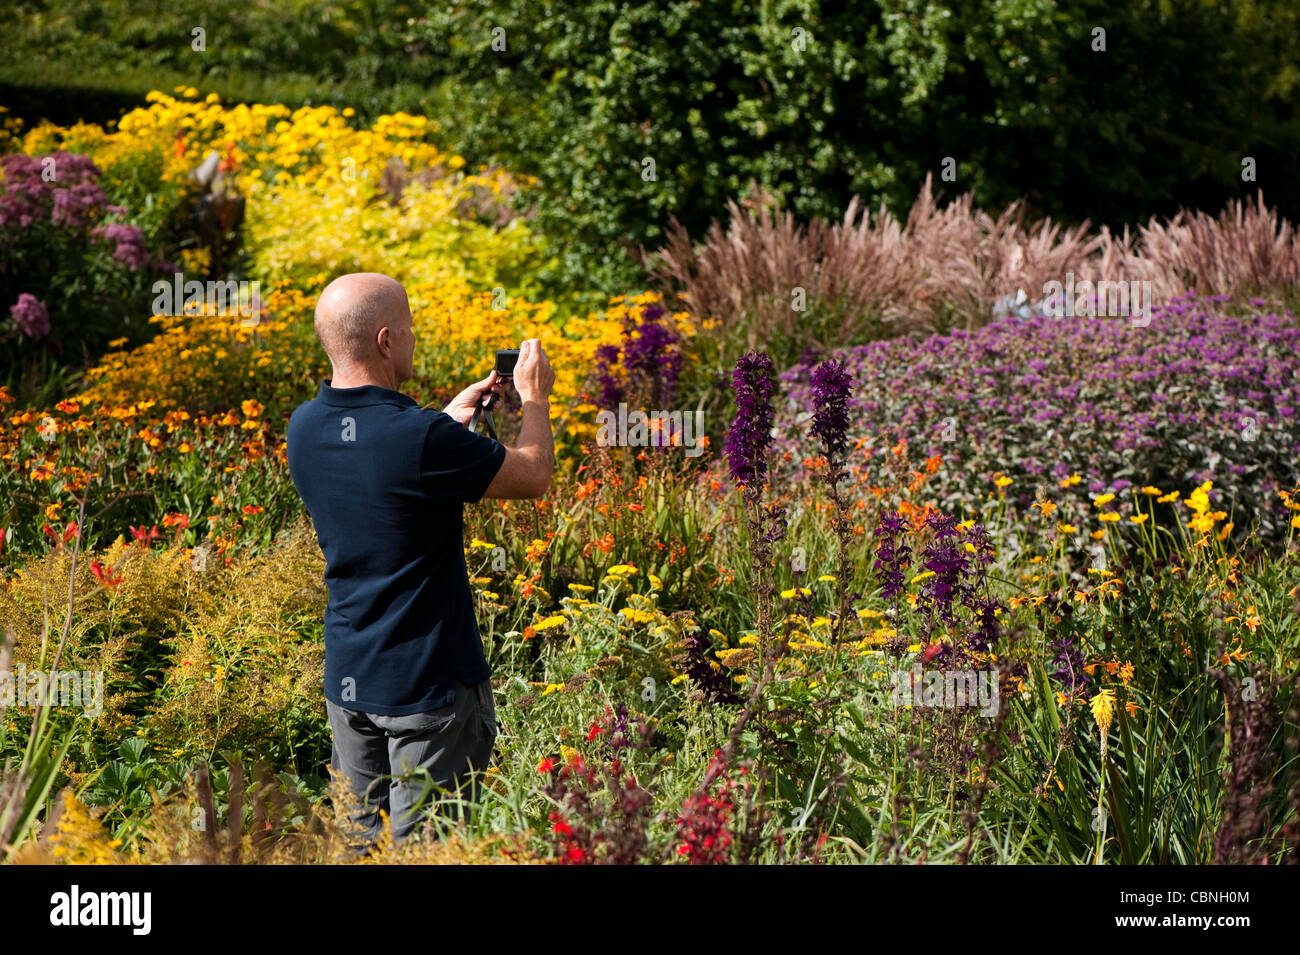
(487, 711)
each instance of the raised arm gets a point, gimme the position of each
(526, 470)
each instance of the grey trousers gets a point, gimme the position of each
(404, 764)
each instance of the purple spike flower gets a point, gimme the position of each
(831, 383)
(750, 435)
(893, 555)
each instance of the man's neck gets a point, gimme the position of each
(361, 379)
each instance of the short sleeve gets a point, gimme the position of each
(458, 464)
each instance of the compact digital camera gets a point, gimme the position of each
(506, 358)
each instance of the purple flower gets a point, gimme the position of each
(751, 429)
(31, 316)
(128, 243)
(830, 389)
(893, 554)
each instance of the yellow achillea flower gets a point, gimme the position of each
(638, 616)
(1103, 709)
(622, 570)
(549, 623)
(801, 591)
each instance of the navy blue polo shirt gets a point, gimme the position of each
(383, 481)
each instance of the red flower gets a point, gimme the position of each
(546, 765)
(562, 828)
(252, 509)
(105, 577)
(575, 854)
(143, 536)
(594, 732)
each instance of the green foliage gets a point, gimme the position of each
(718, 94)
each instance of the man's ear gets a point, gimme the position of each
(385, 342)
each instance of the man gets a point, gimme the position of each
(407, 686)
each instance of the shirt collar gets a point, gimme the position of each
(362, 396)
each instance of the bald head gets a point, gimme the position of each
(352, 310)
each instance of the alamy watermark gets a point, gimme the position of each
(179, 297)
(655, 429)
(946, 688)
(1104, 297)
(23, 687)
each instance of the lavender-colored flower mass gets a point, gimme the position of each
(1196, 394)
(31, 316)
(750, 435)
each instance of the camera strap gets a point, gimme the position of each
(485, 414)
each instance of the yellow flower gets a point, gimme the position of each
(622, 570)
(1109, 516)
(802, 591)
(1047, 507)
(1066, 528)
(1152, 491)
(1103, 709)
(1072, 480)
(638, 616)
(480, 544)
(1001, 480)
(581, 589)
(1138, 518)
(1103, 499)
(1168, 498)
(549, 623)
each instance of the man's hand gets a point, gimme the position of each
(534, 376)
(463, 405)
